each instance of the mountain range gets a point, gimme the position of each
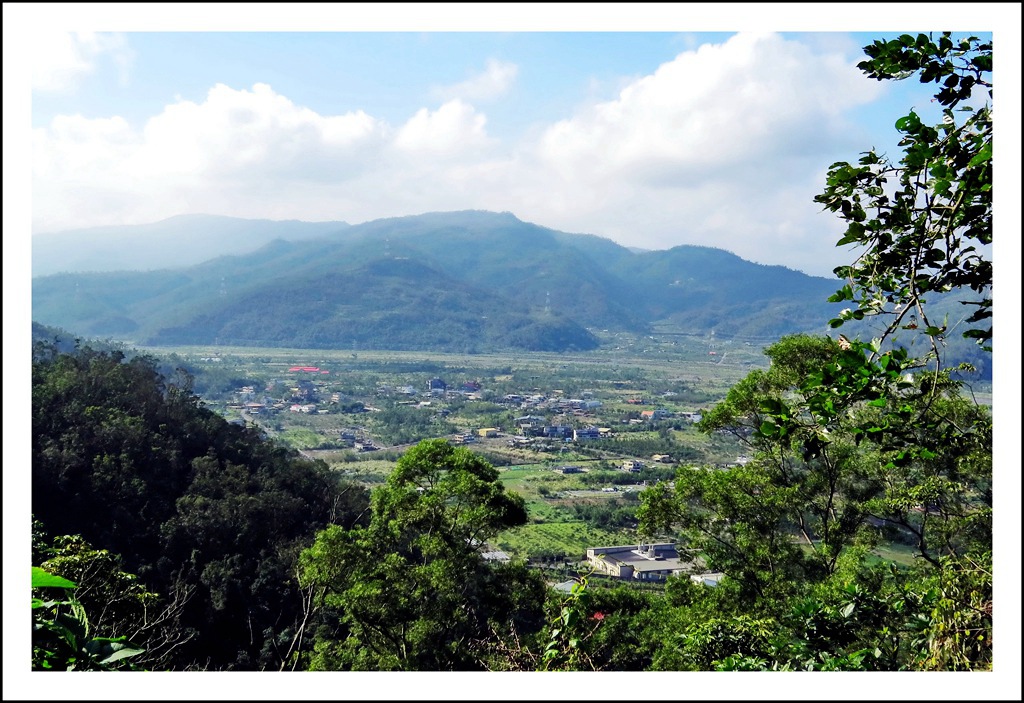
(451, 281)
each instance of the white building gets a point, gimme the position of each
(644, 562)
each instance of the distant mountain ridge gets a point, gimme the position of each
(441, 281)
(183, 240)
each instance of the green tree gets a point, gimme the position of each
(924, 224)
(411, 590)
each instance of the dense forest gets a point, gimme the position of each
(208, 515)
(190, 543)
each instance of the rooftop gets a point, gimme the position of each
(647, 557)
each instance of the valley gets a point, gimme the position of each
(359, 411)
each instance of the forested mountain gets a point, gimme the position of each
(444, 281)
(410, 304)
(209, 515)
(701, 288)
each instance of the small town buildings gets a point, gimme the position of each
(436, 386)
(707, 579)
(557, 431)
(586, 433)
(654, 415)
(487, 432)
(632, 465)
(530, 425)
(496, 555)
(643, 562)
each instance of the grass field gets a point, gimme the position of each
(901, 554)
(567, 538)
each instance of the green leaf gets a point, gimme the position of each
(985, 154)
(44, 579)
(108, 650)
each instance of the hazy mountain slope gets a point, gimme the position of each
(397, 304)
(491, 264)
(100, 303)
(701, 288)
(534, 266)
(177, 241)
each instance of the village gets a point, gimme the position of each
(530, 419)
(579, 443)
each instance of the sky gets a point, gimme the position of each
(654, 125)
(650, 138)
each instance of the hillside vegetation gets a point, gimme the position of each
(441, 281)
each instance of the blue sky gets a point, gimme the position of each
(650, 138)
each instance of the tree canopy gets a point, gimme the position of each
(132, 463)
(411, 591)
(855, 443)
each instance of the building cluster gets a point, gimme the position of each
(549, 419)
(649, 562)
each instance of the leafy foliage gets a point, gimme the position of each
(119, 603)
(411, 591)
(61, 632)
(569, 630)
(930, 231)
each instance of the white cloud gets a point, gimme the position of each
(753, 98)
(239, 132)
(496, 80)
(60, 59)
(454, 127)
(247, 153)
